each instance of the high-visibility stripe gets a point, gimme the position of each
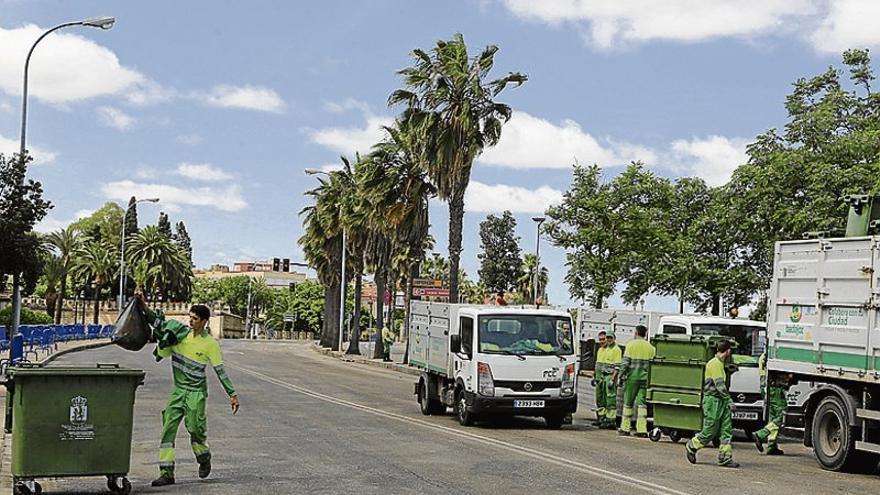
(167, 445)
(186, 360)
(188, 371)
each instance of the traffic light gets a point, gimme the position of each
(286, 265)
(292, 287)
(276, 265)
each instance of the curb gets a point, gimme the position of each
(375, 363)
(6, 438)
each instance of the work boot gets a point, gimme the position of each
(775, 451)
(758, 444)
(163, 481)
(691, 454)
(204, 469)
(623, 433)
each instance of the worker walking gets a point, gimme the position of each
(387, 342)
(192, 350)
(717, 404)
(634, 375)
(608, 362)
(775, 394)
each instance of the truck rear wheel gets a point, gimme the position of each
(833, 438)
(428, 405)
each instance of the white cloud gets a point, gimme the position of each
(8, 147)
(331, 167)
(190, 139)
(485, 198)
(66, 67)
(348, 140)
(713, 158)
(113, 117)
(346, 105)
(609, 24)
(5, 107)
(532, 142)
(245, 97)
(227, 198)
(849, 24)
(202, 171)
(51, 224)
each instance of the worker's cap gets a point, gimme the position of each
(609, 333)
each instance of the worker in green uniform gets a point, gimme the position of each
(190, 357)
(597, 380)
(387, 342)
(634, 375)
(607, 363)
(775, 394)
(717, 404)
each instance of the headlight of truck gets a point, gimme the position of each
(485, 383)
(567, 389)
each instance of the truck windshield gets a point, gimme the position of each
(749, 339)
(525, 334)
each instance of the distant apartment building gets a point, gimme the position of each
(257, 270)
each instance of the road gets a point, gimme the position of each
(312, 424)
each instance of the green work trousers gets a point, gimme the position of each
(717, 422)
(770, 432)
(189, 406)
(634, 398)
(606, 399)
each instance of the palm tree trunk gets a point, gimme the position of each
(379, 348)
(456, 217)
(355, 333)
(331, 314)
(60, 301)
(97, 303)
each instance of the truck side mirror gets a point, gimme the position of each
(455, 343)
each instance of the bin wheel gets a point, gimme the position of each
(655, 435)
(119, 484)
(674, 436)
(21, 488)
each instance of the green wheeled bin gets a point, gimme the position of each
(69, 422)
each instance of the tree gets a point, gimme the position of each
(793, 181)
(65, 243)
(98, 263)
(131, 219)
(104, 225)
(181, 236)
(500, 261)
(21, 207)
(173, 271)
(453, 108)
(52, 273)
(525, 284)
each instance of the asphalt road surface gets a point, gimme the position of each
(313, 424)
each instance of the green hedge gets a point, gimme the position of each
(28, 317)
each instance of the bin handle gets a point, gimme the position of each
(108, 365)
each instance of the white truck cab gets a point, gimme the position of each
(487, 361)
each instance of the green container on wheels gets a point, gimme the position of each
(71, 421)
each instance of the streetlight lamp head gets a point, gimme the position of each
(315, 171)
(152, 200)
(104, 23)
(539, 219)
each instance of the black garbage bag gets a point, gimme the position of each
(131, 330)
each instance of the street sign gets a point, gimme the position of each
(430, 292)
(427, 282)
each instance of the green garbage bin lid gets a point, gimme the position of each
(82, 370)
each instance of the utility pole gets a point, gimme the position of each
(248, 324)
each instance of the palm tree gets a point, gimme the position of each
(52, 273)
(452, 106)
(169, 266)
(526, 282)
(97, 263)
(66, 243)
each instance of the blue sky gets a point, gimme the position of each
(217, 107)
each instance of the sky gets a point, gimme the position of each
(217, 107)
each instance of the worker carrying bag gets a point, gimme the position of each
(131, 330)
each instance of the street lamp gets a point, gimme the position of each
(314, 171)
(122, 256)
(98, 22)
(539, 221)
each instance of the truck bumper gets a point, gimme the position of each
(504, 405)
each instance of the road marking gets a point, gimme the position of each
(539, 455)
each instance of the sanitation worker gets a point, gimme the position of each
(190, 358)
(597, 379)
(717, 404)
(775, 393)
(634, 375)
(607, 363)
(387, 341)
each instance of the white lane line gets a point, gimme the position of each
(539, 455)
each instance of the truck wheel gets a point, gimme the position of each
(554, 421)
(427, 405)
(833, 439)
(465, 418)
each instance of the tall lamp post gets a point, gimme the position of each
(96, 22)
(539, 221)
(314, 171)
(122, 273)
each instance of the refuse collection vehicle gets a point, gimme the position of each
(491, 361)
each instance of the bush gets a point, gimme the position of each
(28, 317)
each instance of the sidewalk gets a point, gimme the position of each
(361, 359)
(6, 438)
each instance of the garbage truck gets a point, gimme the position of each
(493, 361)
(824, 329)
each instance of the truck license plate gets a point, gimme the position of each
(747, 415)
(528, 403)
